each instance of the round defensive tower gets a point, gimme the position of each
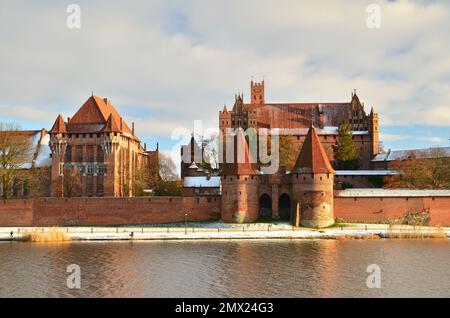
(239, 202)
(313, 185)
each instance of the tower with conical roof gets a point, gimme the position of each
(239, 202)
(58, 146)
(312, 185)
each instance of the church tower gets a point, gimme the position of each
(373, 131)
(257, 93)
(239, 180)
(312, 185)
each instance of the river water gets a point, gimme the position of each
(235, 268)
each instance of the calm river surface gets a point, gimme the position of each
(241, 268)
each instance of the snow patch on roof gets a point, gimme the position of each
(392, 193)
(365, 172)
(418, 153)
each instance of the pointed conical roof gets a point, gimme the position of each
(243, 163)
(59, 126)
(111, 125)
(312, 157)
(192, 153)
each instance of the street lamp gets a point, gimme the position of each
(185, 223)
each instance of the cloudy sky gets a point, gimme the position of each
(167, 63)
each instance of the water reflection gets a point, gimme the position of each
(278, 268)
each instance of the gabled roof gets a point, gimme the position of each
(59, 126)
(299, 115)
(243, 163)
(93, 115)
(312, 157)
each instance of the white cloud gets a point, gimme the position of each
(165, 64)
(435, 140)
(393, 137)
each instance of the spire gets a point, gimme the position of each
(59, 126)
(242, 161)
(111, 125)
(312, 157)
(225, 110)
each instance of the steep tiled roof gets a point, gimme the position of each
(59, 126)
(93, 115)
(243, 163)
(111, 125)
(298, 115)
(312, 157)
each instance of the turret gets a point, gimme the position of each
(239, 180)
(257, 93)
(190, 153)
(373, 132)
(58, 144)
(312, 185)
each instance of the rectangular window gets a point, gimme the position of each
(90, 185)
(79, 153)
(100, 188)
(68, 155)
(90, 153)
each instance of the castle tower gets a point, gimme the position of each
(312, 184)
(239, 201)
(373, 131)
(95, 153)
(190, 153)
(224, 119)
(257, 93)
(58, 144)
(111, 149)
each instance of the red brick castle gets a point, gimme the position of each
(295, 119)
(95, 152)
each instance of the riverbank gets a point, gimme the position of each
(222, 231)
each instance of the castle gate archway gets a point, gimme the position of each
(265, 207)
(284, 207)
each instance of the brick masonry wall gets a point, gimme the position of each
(116, 211)
(382, 209)
(16, 212)
(107, 211)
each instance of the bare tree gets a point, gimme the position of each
(72, 181)
(422, 170)
(210, 148)
(167, 168)
(15, 151)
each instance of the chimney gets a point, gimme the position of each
(68, 119)
(105, 100)
(132, 128)
(145, 146)
(121, 123)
